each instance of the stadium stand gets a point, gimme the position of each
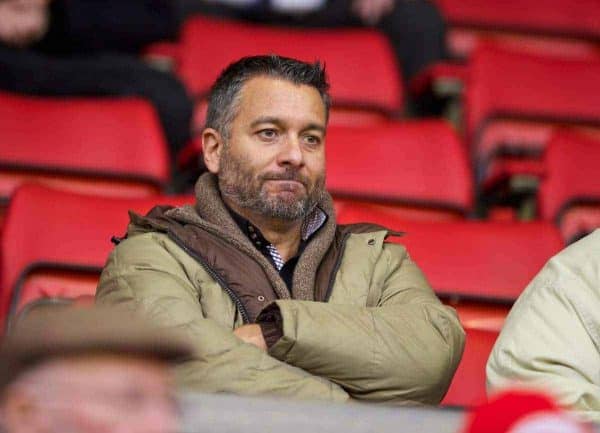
(97, 145)
(570, 192)
(419, 165)
(362, 92)
(61, 255)
(515, 100)
(556, 25)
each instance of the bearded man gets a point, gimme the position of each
(278, 298)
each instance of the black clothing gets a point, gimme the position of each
(415, 28)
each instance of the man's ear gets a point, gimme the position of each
(212, 146)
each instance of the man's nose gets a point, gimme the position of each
(290, 152)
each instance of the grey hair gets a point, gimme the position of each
(224, 96)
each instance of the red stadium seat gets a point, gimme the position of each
(55, 243)
(570, 192)
(569, 27)
(468, 385)
(514, 101)
(488, 261)
(365, 79)
(107, 146)
(418, 164)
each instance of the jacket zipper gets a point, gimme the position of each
(336, 268)
(236, 300)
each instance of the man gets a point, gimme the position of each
(279, 299)
(551, 338)
(87, 370)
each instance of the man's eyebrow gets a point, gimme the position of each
(279, 122)
(266, 119)
(315, 126)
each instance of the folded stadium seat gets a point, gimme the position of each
(107, 146)
(553, 25)
(419, 166)
(513, 103)
(55, 243)
(366, 84)
(468, 385)
(570, 192)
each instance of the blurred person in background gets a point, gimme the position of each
(551, 338)
(415, 28)
(68, 48)
(81, 370)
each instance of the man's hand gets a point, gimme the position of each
(371, 11)
(251, 334)
(23, 22)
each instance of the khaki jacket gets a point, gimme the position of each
(551, 339)
(362, 321)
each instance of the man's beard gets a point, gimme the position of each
(239, 184)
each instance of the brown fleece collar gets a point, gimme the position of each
(210, 213)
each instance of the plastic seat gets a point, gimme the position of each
(468, 385)
(55, 243)
(366, 84)
(570, 192)
(418, 164)
(467, 260)
(567, 26)
(107, 146)
(514, 101)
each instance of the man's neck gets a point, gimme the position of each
(282, 234)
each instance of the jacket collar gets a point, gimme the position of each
(211, 214)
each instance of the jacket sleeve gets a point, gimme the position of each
(406, 348)
(143, 274)
(551, 339)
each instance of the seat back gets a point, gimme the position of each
(553, 27)
(551, 17)
(515, 100)
(112, 146)
(360, 64)
(487, 261)
(570, 192)
(505, 84)
(418, 164)
(55, 243)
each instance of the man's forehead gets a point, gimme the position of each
(271, 97)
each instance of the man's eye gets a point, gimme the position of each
(267, 134)
(312, 140)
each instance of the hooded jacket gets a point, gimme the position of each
(360, 320)
(551, 338)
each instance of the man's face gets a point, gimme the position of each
(273, 162)
(96, 393)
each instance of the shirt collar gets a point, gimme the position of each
(312, 223)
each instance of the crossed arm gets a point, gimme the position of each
(406, 348)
